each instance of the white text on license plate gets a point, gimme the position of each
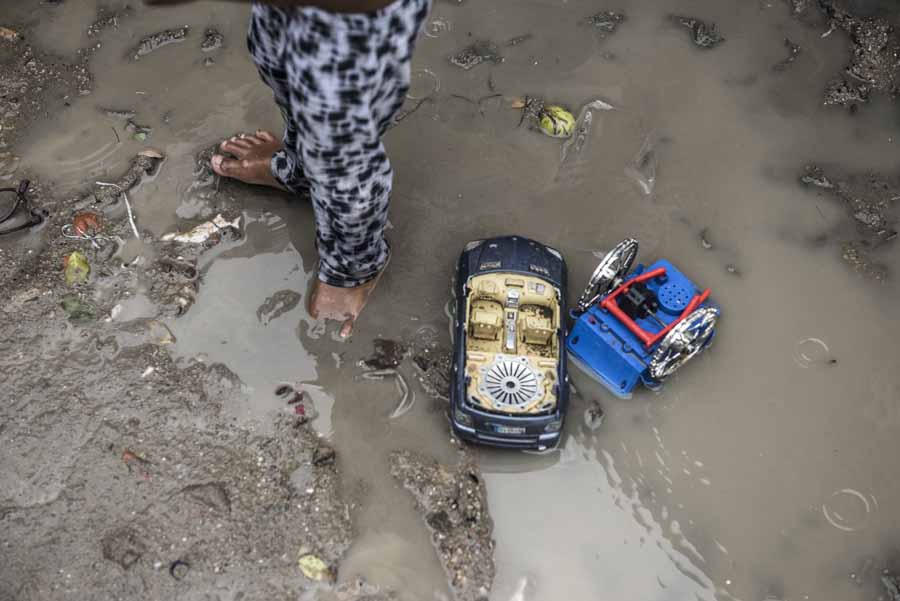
(509, 429)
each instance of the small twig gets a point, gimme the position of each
(461, 97)
(130, 215)
(108, 185)
(118, 140)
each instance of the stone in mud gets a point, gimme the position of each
(606, 22)
(475, 54)
(875, 51)
(702, 34)
(212, 40)
(453, 503)
(123, 546)
(155, 41)
(433, 370)
(213, 495)
(388, 354)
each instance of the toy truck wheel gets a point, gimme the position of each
(683, 342)
(614, 266)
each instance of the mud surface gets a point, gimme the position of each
(454, 505)
(178, 426)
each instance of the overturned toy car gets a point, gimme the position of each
(639, 326)
(510, 385)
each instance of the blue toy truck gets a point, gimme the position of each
(638, 327)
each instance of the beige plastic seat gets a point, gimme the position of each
(486, 320)
(537, 330)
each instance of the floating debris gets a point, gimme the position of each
(518, 40)
(594, 416)
(606, 22)
(793, 52)
(583, 124)
(212, 40)
(477, 53)
(704, 239)
(203, 232)
(154, 42)
(387, 354)
(643, 167)
(703, 35)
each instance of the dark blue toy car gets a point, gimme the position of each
(639, 326)
(510, 384)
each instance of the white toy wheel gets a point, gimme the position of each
(614, 266)
(683, 342)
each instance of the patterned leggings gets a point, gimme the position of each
(338, 79)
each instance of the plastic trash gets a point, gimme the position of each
(77, 268)
(643, 168)
(205, 231)
(583, 124)
(314, 568)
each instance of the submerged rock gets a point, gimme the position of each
(606, 22)
(453, 503)
(212, 40)
(477, 53)
(155, 41)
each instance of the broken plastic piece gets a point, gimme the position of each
(77, 268)
(314, 568)
(205, 231)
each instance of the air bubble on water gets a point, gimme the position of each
(811, 351)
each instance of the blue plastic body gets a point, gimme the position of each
(602, 346)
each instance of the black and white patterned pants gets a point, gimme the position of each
(339, 79)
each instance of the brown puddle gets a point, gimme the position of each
(762, 471)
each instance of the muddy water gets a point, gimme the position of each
(762, 471)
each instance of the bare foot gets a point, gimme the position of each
(340, 304)
(254, 159)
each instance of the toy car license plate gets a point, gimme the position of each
(509, 429)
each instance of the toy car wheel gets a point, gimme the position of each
(683, 341)
(614, 266)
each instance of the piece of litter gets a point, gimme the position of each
(314, 568)
(148, 371)
(204, 231)
(130, 216)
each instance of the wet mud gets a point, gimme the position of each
(453, 503)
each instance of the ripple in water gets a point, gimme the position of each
(423, 84)
(438, 27)
(811, 351)
(848, 509)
